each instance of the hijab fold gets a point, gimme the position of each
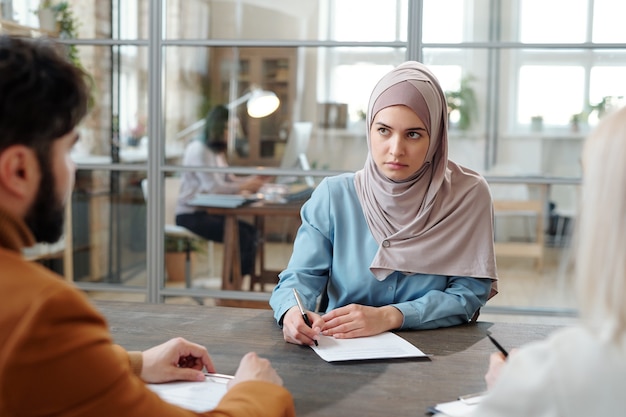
(439, 220)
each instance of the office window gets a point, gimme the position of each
(350, 73)
(445, 21)
(608, 21)
(129, 21)
(23, 12)
(538, 21)
(559, 84)
(540, 86)
(603, 82)
(367, 20)
(354, 83)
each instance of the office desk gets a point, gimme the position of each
(536, 207)
(399, 387)
(231, 266)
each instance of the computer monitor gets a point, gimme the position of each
(295, 151)
(297, 144)
(304, 164)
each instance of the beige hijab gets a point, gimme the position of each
(440, 220)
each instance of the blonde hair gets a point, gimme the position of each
(601, 229)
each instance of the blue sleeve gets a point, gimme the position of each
(309, 266)
(456, 304)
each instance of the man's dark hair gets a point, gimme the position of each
(216, 123)
(43, 96)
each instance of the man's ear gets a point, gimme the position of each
(19, 173)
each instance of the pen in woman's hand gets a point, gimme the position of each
(498, 345)
(305, 317)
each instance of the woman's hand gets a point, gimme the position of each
(496, 363)
(253, 368)
(252, 183)
(174, 360)
(295, 329)
(355, 320)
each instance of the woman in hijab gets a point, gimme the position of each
(404, 243)
(209, 151)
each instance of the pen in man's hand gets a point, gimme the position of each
(498, 345)
(305, 317)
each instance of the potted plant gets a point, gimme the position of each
(536, 123)
(179, 250)
(58, 17)
(607, 104)
(463, 104)
(576, 120)
(47, 17)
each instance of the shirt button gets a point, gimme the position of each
(390, 288)
(386, 244)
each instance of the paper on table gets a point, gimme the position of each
(220, 200)
(462, 407)
(195, 396)
(381, 346)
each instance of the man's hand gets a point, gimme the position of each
(174, 360)
(254, 368)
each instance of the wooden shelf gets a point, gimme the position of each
(13, 28)
(272, 69)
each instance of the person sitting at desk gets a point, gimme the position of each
(404, 243)
(57, 357)
(209, 151)
(580, 370)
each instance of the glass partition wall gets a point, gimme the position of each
(522, 96)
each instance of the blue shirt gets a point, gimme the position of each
(332, 252)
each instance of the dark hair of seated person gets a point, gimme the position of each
(216, 123)
(38, 108)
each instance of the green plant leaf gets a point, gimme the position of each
(464, 101)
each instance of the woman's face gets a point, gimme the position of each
(234, 124)
(399, 142)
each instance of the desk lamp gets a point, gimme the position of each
(260, 103)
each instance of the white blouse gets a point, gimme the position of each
(570, 374)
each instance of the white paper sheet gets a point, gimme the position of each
(195, 396)
(221, 200)
(459, 408)
(381, 346)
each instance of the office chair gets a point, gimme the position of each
(515, 201)
(171, 229)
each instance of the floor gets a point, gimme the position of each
(526, 294)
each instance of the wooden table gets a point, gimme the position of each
(398, 387)
(231, 266)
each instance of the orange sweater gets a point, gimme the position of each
(57, 357)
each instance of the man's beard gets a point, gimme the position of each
(46, 216)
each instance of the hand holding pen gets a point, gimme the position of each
(497, 361)
(303, 313)
(498, 345)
